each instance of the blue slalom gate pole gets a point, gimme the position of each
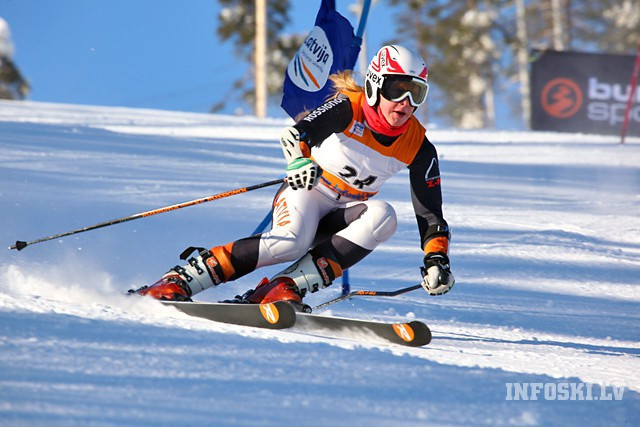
(363, 20)
(263, 224)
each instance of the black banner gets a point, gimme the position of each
(583, 92)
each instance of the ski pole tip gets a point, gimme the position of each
(20, 245)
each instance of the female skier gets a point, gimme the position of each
(324, 219)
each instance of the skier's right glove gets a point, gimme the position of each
(436, 274)
(301, 171)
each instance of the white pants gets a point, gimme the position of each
(296, 216)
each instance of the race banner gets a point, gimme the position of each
(330, 47)
(583, 92)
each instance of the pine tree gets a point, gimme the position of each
(470, 45)
(611, 26)
(457, 41)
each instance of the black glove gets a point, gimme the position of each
(436, 274)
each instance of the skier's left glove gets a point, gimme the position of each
(436, 274)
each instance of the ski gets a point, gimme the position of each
(282, 315)
(412, 334)
(277, 315)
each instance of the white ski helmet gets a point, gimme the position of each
(396, 72)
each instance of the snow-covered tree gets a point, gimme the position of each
(12, 84)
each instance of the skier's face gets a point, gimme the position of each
(396, 113)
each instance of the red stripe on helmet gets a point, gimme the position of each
(393, 66)
(376, 66)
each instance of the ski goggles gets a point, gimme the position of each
(397, 88)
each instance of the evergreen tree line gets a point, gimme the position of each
(470, 46)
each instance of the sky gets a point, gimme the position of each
(161, 54)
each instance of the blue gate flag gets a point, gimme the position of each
(330, 47)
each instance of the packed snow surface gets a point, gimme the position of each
(545, 250)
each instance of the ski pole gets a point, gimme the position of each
(368, 294)
(21, 244)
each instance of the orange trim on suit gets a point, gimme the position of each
(355, 164)
(223, 255)
(437, 244)
(404, 148)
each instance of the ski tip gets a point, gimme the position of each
(422, 332)
(414, 334)
(276, 315)
(270, 312)
(286, 313)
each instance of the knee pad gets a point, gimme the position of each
(376, 225)
(381, 219)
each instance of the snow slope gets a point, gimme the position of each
(546, 252)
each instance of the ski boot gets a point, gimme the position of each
(181, 282)
(171, 287)
(307, 275)
(277, 289)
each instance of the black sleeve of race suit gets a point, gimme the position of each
(331, 117)
(426, 194)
